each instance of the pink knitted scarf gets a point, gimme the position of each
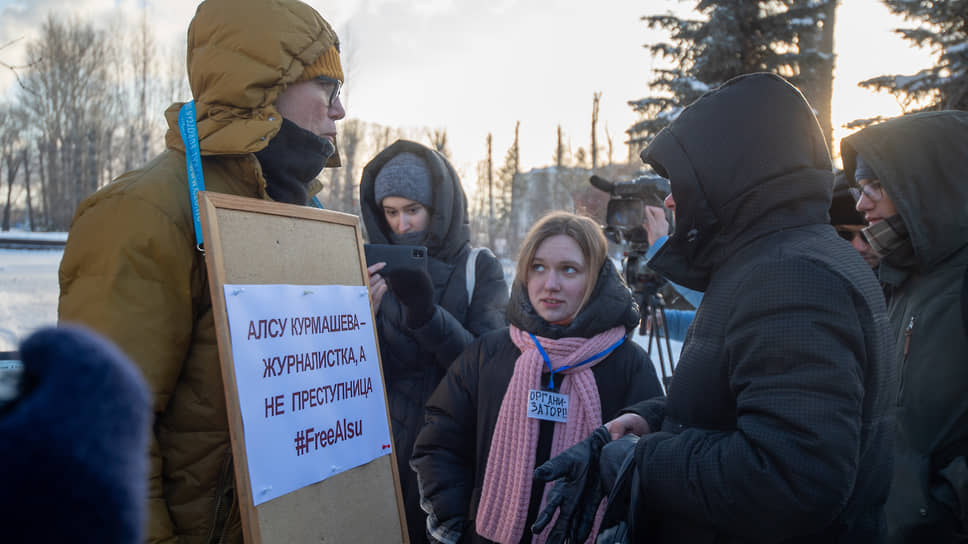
(506, 494)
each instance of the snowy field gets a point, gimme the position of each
(29, 290)
(28, 293)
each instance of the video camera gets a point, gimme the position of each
(624, 220)
(626, 213)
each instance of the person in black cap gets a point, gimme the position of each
(849, 222)
(411, 195)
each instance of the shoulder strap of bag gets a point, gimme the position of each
(472, 271)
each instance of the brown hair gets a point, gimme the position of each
(585, 232)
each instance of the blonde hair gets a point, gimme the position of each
(585, 232)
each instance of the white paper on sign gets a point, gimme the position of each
(308, 380)
(547, 405)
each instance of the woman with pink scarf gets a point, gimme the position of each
(519, 396)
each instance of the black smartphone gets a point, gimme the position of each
(396, 256)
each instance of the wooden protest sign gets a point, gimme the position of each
(291, 254)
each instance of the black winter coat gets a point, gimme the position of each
(414, 360)
(451, 452)
(920, 161)
(778, 424)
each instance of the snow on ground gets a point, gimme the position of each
(675, 345)
(26, 235)
(28, 293)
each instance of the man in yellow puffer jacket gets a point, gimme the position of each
(265, 76)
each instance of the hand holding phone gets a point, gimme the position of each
(396, 257)
(378, 285)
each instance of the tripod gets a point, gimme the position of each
(655, 312)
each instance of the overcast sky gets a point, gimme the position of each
(474, 67)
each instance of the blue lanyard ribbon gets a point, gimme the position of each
(547, 360)
(193, 161)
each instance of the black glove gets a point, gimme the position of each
(617, 468)
(415, 291)
(577, 490)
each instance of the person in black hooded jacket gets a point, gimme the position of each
(778, 425)
(911, 179)
(570, 311)
(410, 194)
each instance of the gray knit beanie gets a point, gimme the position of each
(404, 175)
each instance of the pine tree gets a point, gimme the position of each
(505, 194)
(940, 26)
(792, 38)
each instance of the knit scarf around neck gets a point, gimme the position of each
(506, 494)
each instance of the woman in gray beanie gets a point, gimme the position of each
(411, 195)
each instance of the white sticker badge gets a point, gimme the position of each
(547, 405)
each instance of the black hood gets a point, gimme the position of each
(449, 231)
(609, 305)
(745, 160)
(920, 160)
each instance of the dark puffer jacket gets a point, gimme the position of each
(450, 456)
(778, 425)
(414, 360)
(921, 163)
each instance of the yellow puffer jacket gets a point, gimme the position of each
(131, 270)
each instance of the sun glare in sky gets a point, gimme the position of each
(866, 46)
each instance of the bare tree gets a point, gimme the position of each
(559, 149)
(490, 191)
(351, 141)
(438, 140)
(15, 69)
(29, 205)
(477, 209)
(44, 192)
(383, 138)
(596, 97)
(65, 99)
(11, 157)
(509, 193)
(608, 139)
(142, 60)
(176, 75)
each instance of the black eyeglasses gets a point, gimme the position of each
(332, 85)
(846, 234)
(873, 190)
